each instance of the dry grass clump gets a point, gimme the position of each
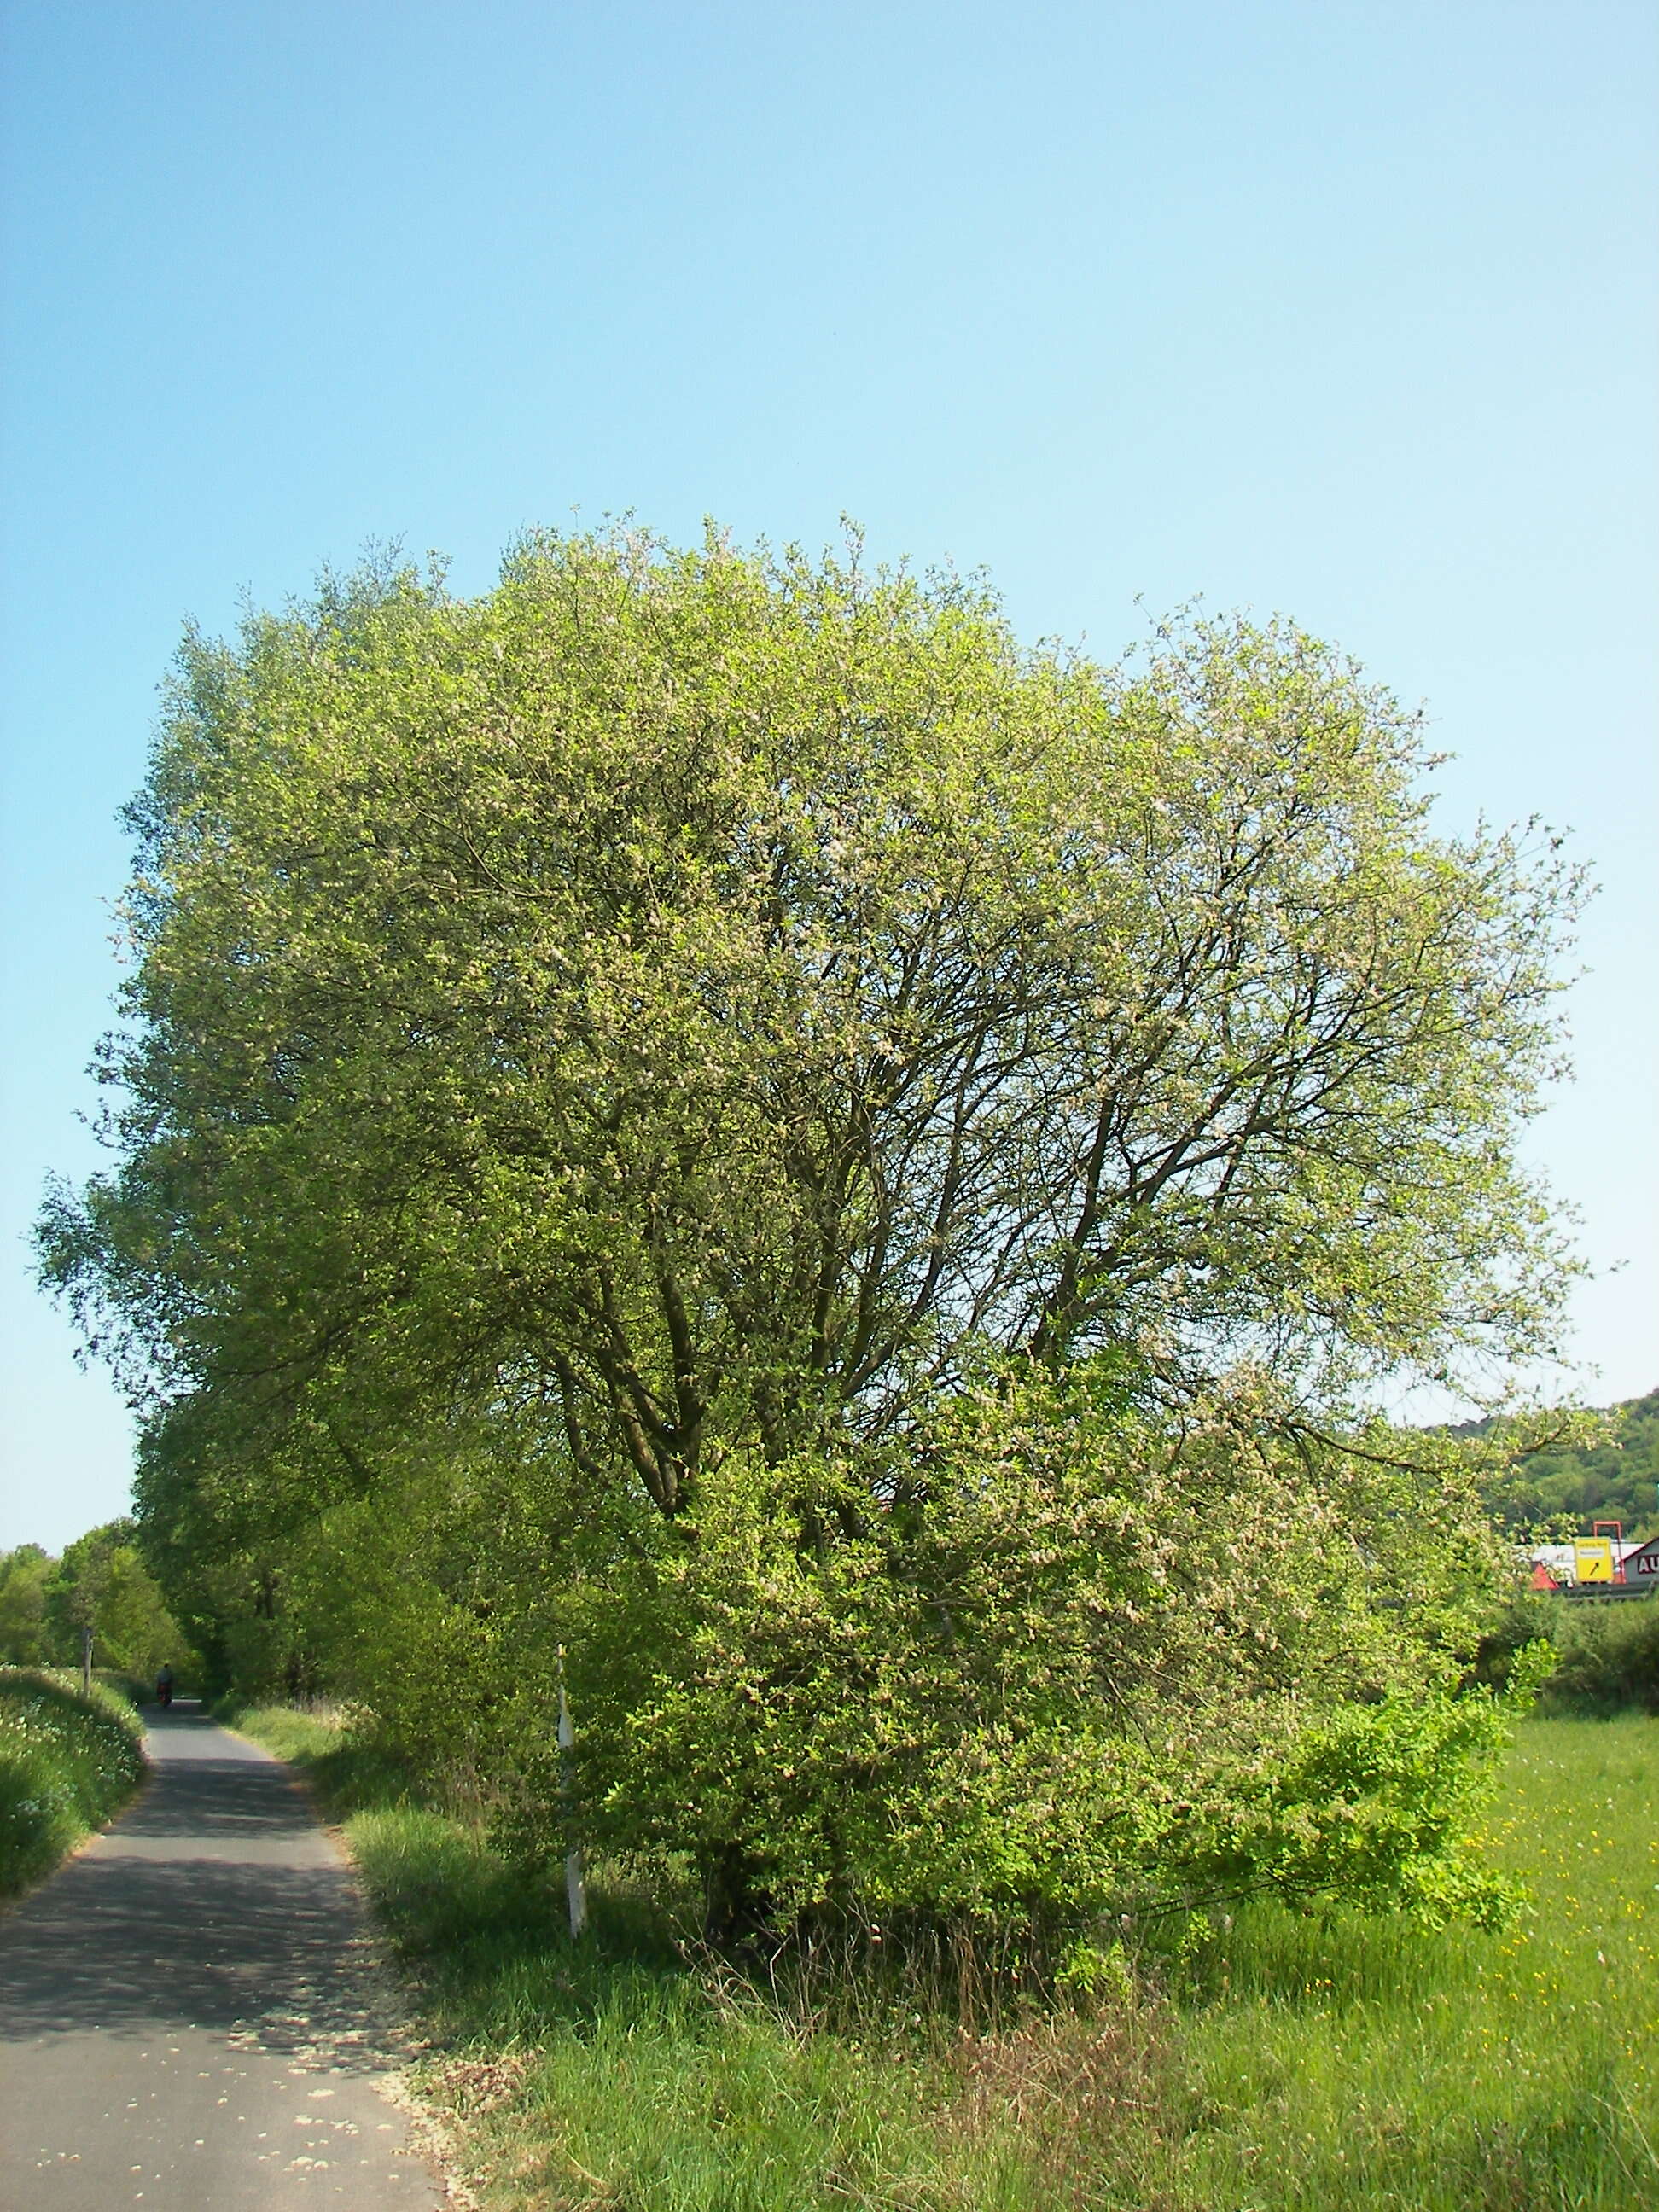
(470, 2086)
(1085, 2103)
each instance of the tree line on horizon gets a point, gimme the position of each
(100, 1583)
(1611, 1474)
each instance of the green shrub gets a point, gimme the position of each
(1608, 1655)
(67, 1763)
(1061, 1669)
(1609, 1659)
(131, 1689)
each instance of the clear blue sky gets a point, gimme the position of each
(1345, 309)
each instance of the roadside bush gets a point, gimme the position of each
(131, 1689)
(1065, 1674)
(1609, 1659)
(1606, 1654)
(67, 1765)
(1044, 1663)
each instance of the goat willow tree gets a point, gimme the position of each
(704, 1104)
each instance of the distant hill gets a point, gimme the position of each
(1617, 1482)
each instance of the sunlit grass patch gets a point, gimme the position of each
(1336, 2060)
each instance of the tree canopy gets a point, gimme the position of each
(23, 1631)
(101, 1584)
(628, 1053)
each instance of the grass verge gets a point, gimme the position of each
(68, 1764)
(1331, 2061)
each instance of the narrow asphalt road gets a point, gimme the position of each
(190, 2016)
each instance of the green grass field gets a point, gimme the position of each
(1319, 2062)
(1334, 2061)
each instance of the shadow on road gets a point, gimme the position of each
(216, 1903)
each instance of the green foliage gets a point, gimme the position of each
(1039, 1685)
(25, 1639)
(705, 986)
(1056, 1670)
(102, 1583)
(1614, 1477)
(1605, 1656)
(67, 1763)
(1373, 1806)
(711, 1110)
(132, 1689)
(1609, 1660)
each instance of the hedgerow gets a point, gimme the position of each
(68, 1764)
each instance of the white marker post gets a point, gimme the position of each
(575, 1886)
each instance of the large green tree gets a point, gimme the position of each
(674, 1017)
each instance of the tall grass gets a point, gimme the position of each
(1336, 2062)
(1330, 2060)
(68, 1764)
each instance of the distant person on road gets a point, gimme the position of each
(164, 1686)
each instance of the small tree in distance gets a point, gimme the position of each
(23, 1572)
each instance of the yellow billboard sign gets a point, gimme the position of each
(1592, 1560)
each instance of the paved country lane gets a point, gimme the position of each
(190, 2018)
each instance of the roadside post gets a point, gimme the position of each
(575, 1884)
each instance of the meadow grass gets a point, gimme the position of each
(1329, 2059)
(1341, 2061)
